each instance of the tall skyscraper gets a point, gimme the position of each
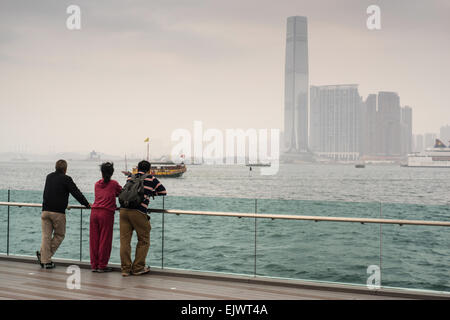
(296, 86)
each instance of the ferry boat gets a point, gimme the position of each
(166, 169)
(436, 157)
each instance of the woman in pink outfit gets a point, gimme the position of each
(102, 219)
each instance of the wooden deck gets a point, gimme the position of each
(23, 279)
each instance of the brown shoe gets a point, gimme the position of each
(143, 271)
(126, 274)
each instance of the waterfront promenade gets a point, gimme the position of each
(21, 278)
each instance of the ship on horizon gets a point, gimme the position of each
(436, 157)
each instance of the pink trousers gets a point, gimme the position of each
(100, 237)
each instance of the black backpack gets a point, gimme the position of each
(132, 194)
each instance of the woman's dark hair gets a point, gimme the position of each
(144, 166)
(107, 169)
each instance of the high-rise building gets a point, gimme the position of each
(296, 86)
(385, 127)
(444, 134)
(371, 141)
(390, 116)
(420, 146)
(429, 140)
(335, 121)
(406, 130)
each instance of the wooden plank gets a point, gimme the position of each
(7, 296)
(190, 293)
(38, 295)
(60, 277)
(81, 291)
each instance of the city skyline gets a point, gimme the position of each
(176, 64)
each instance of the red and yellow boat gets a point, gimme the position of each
(166, 169)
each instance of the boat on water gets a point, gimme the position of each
(436, 157)
(258, 164)
(162, 169)
(360, 165)
(166, 169)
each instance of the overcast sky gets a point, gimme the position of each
(145, 68)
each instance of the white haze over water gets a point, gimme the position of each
(160, 65)
(385, 183)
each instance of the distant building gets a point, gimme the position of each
(444, 134)
(296, 86)
(370, 144)
(429, 140)
(419, 145)
(406, 130)
(390, 123)
(335, 121)
(385, 128)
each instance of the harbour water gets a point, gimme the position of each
(409, 256)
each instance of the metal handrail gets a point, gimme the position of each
(266, 216)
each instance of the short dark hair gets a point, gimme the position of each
(107, 169)
(144, 166)
(61, 166)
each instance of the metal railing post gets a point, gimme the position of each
(381, 245)
(7, 230)
(256, 211)
(81, 234)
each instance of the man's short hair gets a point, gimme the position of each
(144, 166)
(61, 166)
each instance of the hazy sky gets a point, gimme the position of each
(145, 68)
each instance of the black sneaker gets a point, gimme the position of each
(107, 269)
(49, 265)
(38, 255)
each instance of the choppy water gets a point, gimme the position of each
(410, 256)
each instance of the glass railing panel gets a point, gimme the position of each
(26, 227)
(416, 257)
(155, 254)
(243, 205)
(3, 222)
(322, 251)
(25, 223)
(209, 243)
(320, 208)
